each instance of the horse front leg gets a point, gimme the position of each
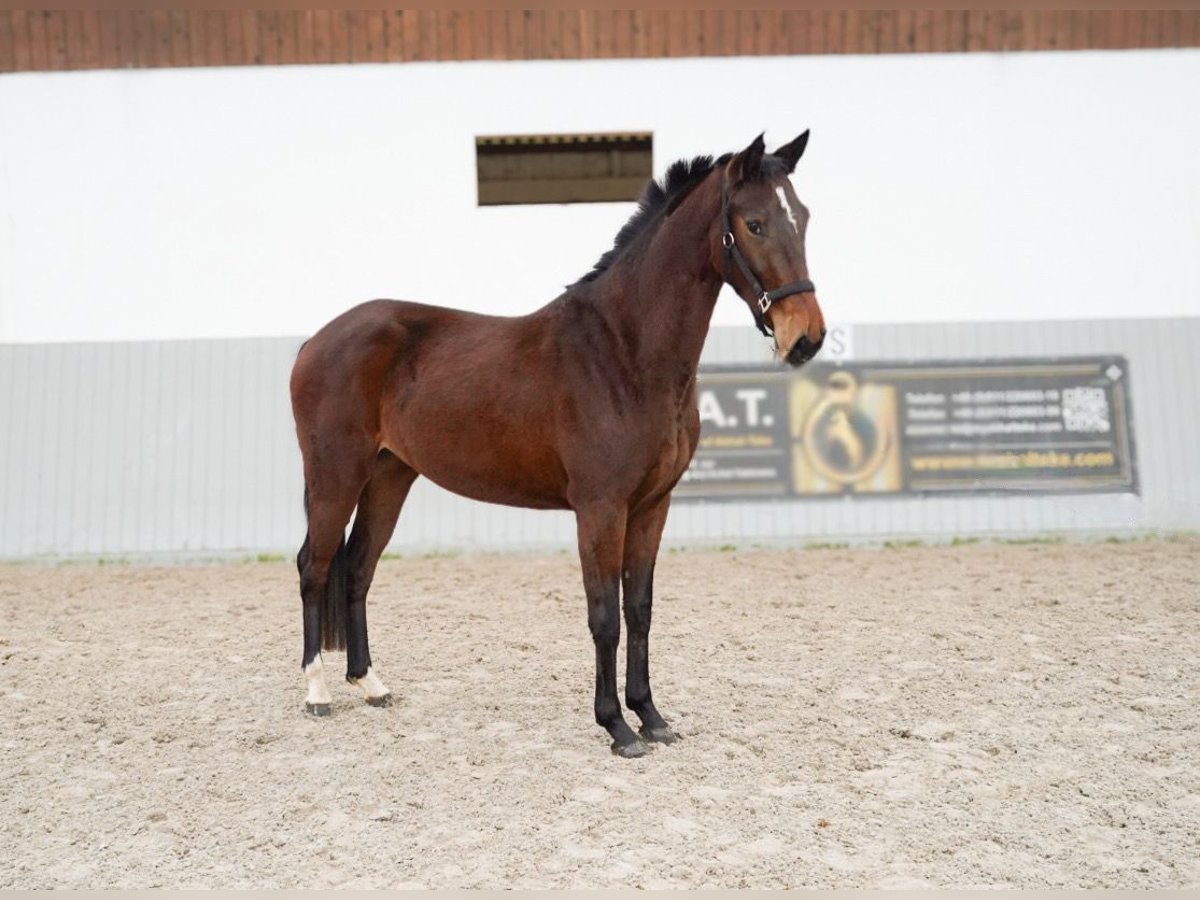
(643, 533)
(601, 542)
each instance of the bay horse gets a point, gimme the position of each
(587, 404)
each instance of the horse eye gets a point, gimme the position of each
(754, 226)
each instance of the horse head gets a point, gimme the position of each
(760, 249)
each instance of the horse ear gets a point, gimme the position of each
(744, 166)
(791, 153)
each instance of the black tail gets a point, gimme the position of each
(333, 604)
(333, 607)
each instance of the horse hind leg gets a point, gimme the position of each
(379, 508)
(321, 564)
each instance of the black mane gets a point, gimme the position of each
(657, 196)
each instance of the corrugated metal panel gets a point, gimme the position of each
(187, 448)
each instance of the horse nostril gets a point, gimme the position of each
(803, 350)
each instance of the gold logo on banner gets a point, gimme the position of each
(844, 436)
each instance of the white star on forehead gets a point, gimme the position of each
(787, 208)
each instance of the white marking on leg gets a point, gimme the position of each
(787, 208)
(314, 674)
(371, 685)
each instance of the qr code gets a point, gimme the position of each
(1085, 409)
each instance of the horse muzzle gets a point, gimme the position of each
(804, 350)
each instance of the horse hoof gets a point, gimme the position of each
(663, 735)
(632, 750)
(382, 700)
(318, 709)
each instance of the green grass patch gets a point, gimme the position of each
(903, 545)
(1037, 540)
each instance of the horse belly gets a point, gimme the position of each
(505, 466)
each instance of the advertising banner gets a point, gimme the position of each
(1053, 426)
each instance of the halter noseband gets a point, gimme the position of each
(764, 297)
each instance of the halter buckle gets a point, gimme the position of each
(727, 240)
(764, 303)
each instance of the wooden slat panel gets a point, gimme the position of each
(851, 31)
(977, 20)
(86, 39)
(267, 24)
(605, 41)
(356, 37)
(143, 38)
(1009, 24)
(463, 34)
(427, 35)
(556, 31)
(56, 39)
(373, 45)
(125, 41)
(905, 27)
(677, 39)
(1189, 29)
(393, 35)
(339, 36)
(960, 31)
(318, 22)
(637, 40)
(888, 31)
(1152, 34)
(444, 30)
(1060, 35)
(743, 31)
(497, 33)
(572, 24)
(109, 54)
(160, 24)
(923, 31)
(7, 42)
(710, 35)
(480, 34)
(289, 36)
(195, 37)
(508, 33)
(412, 33)
(73, 39)
(535, 34)
(22, 41)
(793, 31)
(251, 38)
(302, 37)
(658, 33)
(1169, 30)
(178, 31)
(868, 31)
(818, 31)
(235, 40)
(993, 34)
(216, 50)
(760, 31)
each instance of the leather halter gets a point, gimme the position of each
(763, 297)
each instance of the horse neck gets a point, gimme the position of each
(664, 297)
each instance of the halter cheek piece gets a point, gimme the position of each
(764, 297)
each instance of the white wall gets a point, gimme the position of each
(257, 201)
